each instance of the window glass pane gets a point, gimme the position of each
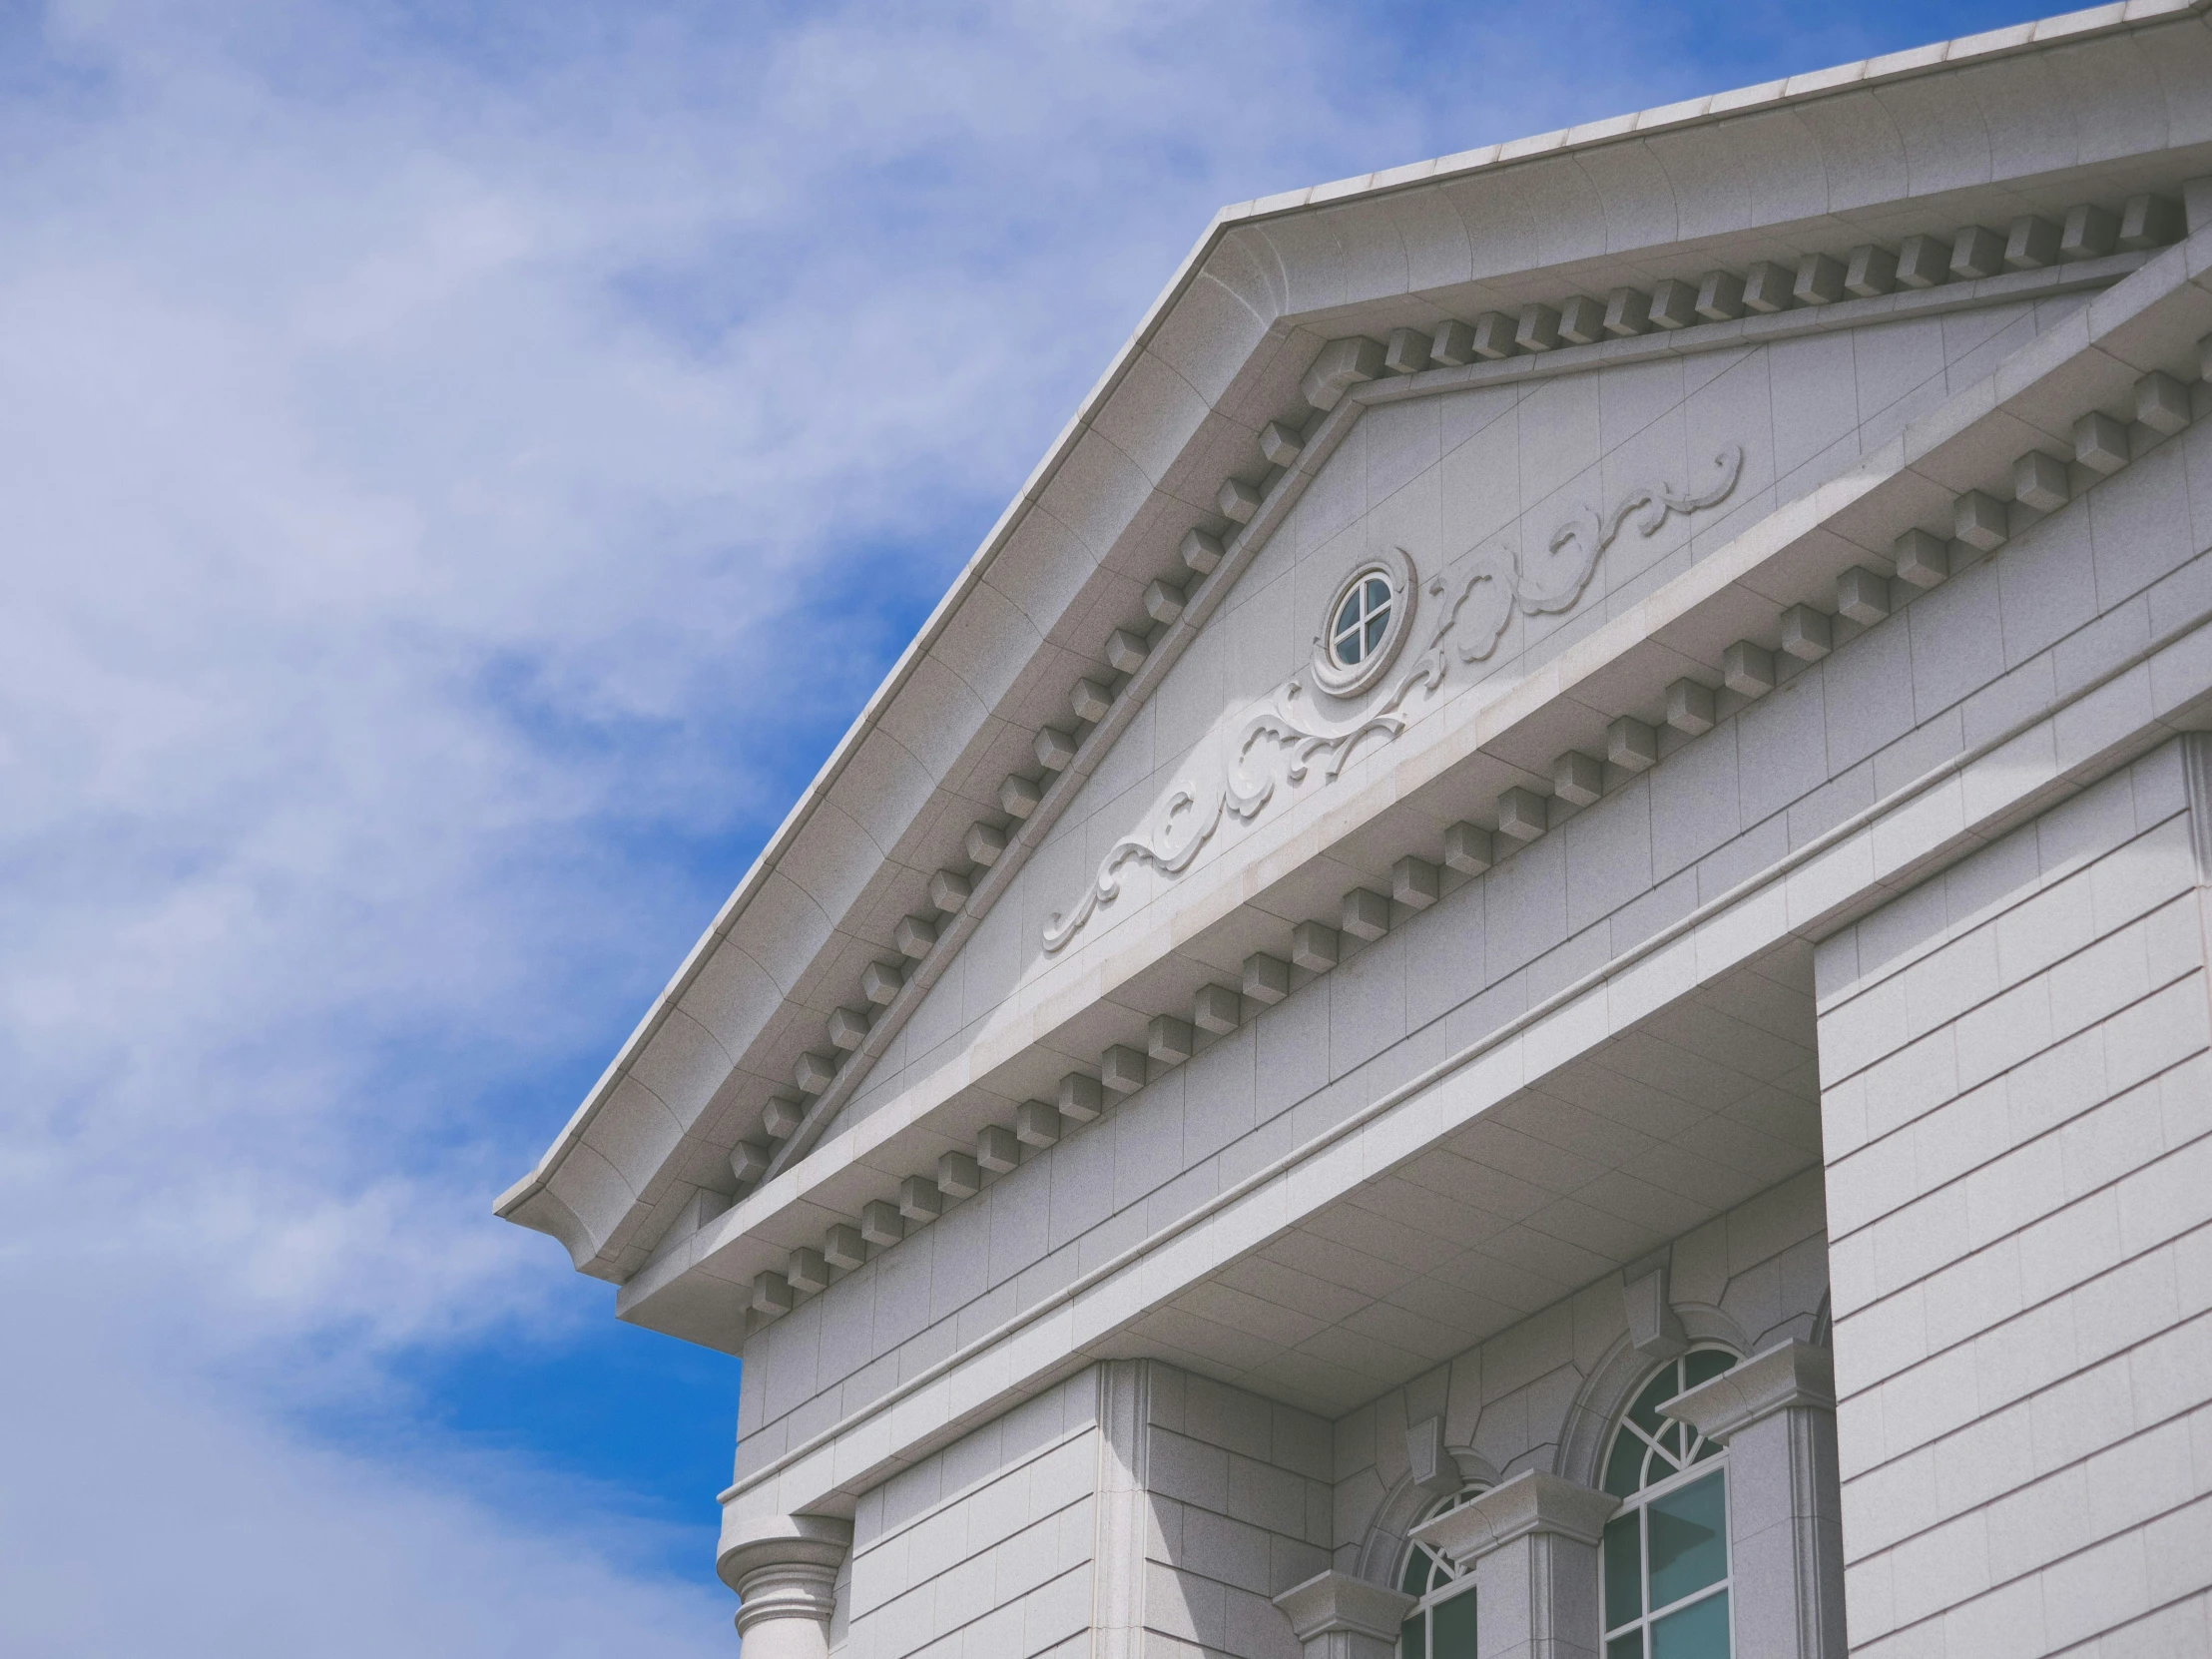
(1670, 1440)
(1697, 1632)
(1624, 1570)
(1689, 1545)
(1347, 618)
(1703, 1366)
(1378, 593)
(1414, 1579)
(1645, 1413)
(1376, 624)
(1624, 1469)
(1630, 1646)
(1412, 1638)
(1451, 1627)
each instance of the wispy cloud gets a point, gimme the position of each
(460, 468)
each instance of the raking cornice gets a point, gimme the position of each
(631, 1180)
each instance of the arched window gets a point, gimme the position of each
(1665, 1555)
(1442, 1624)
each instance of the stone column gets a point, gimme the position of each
(1532, 1543)
(784, 1570)
(1776, 1414)
(1337, 1616)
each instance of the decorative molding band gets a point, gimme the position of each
(2189, 642)
(1922, 560)
(1212, 562)
(2163, 406)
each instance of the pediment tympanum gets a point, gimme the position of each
(1507, 523)
(1301, 729)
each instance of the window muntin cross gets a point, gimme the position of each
(1361, 622)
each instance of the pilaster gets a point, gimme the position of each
(1776, 1414)
(1532, 1543)
(1118, 1550)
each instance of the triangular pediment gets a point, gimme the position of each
(1559, 381)
(1508, 520)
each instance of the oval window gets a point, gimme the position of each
(1366, 623)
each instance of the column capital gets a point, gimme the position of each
(784, 1570)
(1533, 1501)
(780, 1541)
(1791, 1373)
(1333, 1601)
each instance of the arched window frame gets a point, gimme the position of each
(1674, 1458)
(1432, 1579)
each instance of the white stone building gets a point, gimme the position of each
(1528, 948)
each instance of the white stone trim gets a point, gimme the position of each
(1334, 1601)
(1788, 1375)
(1533, 1547)
(1123, 1518)
(1613, 1382)
(785, 1569)
(2072, 362)
(1533, 1501)
(1862, 861)
(577, 1208)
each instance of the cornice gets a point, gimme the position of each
(990, 841)
(1937, 464)
(1991, 46)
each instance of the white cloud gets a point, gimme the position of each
(144, 1512)
(456, 472)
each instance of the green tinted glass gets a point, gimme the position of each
(1625, 1471)
(1412, 1638)
(1689, 1543)
(1452, 1627)
(1624, 1571)
(1703, 1366)
(1414, 1579)
(1347, 618)
(1630, 1646)
(1697, 1632)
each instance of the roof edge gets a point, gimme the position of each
(516, 1203)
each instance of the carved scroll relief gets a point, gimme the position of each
(1286, 737)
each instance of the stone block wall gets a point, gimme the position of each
(2017, 1113)
(1239, 1510)
(984, 1547)
(1133, 1509)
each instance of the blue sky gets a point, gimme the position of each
(464, 465)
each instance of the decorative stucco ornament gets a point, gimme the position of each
(1280, 742)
